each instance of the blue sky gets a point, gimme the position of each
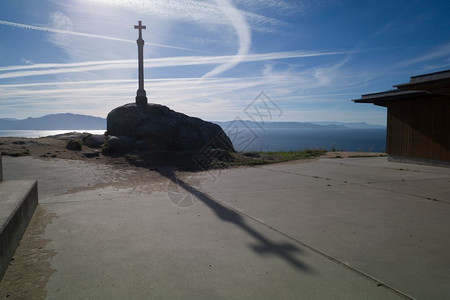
(211, 59)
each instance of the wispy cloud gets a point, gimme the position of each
(26, 61)
(54, 30)
(104, 95)
(275, 6)
(200, 12)
(443, 51)
(58, 68)
(243, 33)
(297, 92)
(59, 18)
(294, 90)
(64, 23)
(182, 94)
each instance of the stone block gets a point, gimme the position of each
(18, 200)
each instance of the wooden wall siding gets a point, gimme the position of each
(419, 128)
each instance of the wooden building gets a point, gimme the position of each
(418, 119)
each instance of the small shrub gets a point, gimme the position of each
(74, 145)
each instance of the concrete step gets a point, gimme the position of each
(18, 200)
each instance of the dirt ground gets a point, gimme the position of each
(48, 148)
(30, 269)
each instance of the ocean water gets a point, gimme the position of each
(291, 139)
(41, 133)
(273, 139)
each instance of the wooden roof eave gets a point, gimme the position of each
(384, 98)
(441, 86)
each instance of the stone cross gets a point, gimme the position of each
(141, 97)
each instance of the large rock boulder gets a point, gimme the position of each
(157, 127)
(118, 144)
(94, 140)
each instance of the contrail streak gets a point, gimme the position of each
(97, 36)
(57, 68)
(244, 36)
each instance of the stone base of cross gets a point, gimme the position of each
(141, 97)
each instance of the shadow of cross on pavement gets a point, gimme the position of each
(284, 250)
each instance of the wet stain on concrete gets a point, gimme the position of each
(30, 269)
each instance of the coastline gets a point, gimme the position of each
(271, 139)
(54, 147)
(35, 133)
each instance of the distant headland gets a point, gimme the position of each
(63, 121)
(69, 121)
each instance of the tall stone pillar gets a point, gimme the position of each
(141, 97)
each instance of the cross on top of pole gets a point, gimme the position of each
(140, 27)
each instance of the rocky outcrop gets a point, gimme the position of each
(157, 127)
(94, 140)
(119, 144)
(155, 130)
(74, 145)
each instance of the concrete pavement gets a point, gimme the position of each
(359, 228)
